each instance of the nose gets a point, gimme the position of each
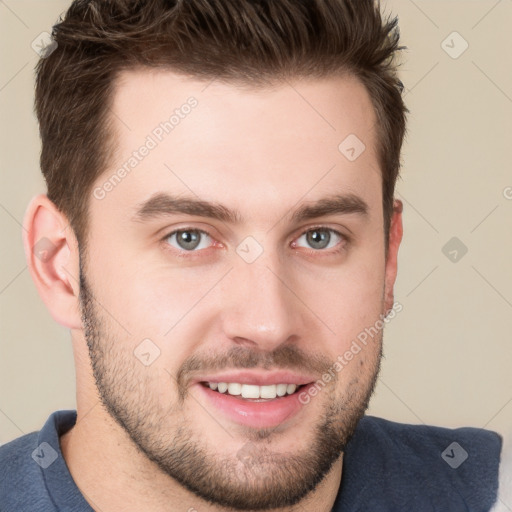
(261, 309)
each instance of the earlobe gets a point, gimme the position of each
(51, 250)
(395, 238)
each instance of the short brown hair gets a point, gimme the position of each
(251, 42)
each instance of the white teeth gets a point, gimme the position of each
(281, 389)
(252, 390)
(291, 388)
(268, 391)
(234, 388)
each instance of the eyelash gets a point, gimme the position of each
(193, 253)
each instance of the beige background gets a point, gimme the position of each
(448, 353)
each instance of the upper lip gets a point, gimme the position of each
(257, 377)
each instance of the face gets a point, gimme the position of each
(242, 249)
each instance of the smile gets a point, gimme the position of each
(253, 391)
(251, 405)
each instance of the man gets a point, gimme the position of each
(220, 229)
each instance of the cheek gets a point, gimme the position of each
(146, 297)
(351, 305)
(348, 298)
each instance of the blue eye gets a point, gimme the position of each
(188, 239)
(193, 240)
(321, 238)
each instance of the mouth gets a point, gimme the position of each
(257, 401)
(253, 392)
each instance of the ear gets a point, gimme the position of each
(51, 250)
(395, 237)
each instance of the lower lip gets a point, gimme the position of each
(267, 414)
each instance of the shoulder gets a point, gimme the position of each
(19, 471)
(30, 463)
(389, 435)
(424, 467)
(504, 501)
(12, 454)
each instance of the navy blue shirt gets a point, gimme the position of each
(387, 467)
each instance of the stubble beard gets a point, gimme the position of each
(269, 481)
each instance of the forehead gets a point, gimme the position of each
(252, 148)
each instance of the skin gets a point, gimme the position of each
(263, 153)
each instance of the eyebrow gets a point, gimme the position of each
(162, 204)
(338, 204)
